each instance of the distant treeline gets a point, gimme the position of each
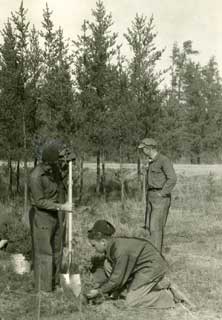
(86, 93)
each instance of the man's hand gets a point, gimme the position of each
(92, 293)
(66, 207)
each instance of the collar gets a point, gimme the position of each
(155, 158)
(108, 248)
(45, 168)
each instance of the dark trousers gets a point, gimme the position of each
(47, 249)
(158, 213)
(152, 294)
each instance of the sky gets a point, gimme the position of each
(174, 20)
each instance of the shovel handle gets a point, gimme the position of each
(70, 213)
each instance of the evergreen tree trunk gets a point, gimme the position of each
(103, 182)
(18, 176)
(98, 173)
(25, 161)
(179, 89)
(122, 178)
(25, 186)
(81, 180)
(9, 176)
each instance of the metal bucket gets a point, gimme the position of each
(20, 264)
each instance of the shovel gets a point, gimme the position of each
(71, 282)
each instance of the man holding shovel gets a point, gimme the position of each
(48, 195)
(161, 179)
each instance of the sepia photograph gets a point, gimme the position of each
(110, 160)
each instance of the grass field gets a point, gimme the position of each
(193, 247)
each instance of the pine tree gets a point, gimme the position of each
(22, 33)
(121, 119)
(144, 80)
(212, 90)
(195, 111)
(9, 116)
(179, 59)
(204, 113)
(174, 119)
(35, 66)
(8, 85)
(14, 79)
(96, 48)
(56, 88)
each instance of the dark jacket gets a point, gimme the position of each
(161, 175)
(130, 256)
(46, 188)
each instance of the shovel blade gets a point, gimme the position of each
(71, 284)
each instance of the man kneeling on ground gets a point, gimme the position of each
(137, 268)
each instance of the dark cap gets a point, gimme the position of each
(101, 228)
(147, 142)
(50, 153)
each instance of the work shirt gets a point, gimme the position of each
(46, 188)
(161, 175)
(130, 256)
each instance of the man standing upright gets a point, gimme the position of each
(48, 202)
(161, 179)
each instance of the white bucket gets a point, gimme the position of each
(3, 243)
(20, 264)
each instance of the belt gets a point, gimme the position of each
(154, 189)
